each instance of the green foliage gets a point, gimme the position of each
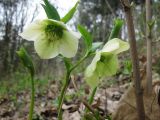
(116, 29)
(55, 102)
(3, 89)
(87, 37)
(70, 14)
(50, 10)
(21, 82)
(127, 67)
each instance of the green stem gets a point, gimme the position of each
(62, 95)
(67, 81)
(32, 99)
(91, 98)
(79, 62)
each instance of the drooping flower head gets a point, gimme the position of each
(105, 62)
(51, 38)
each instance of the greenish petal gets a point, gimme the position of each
(32, 31)
(68, 44)
(92, 67)
(115, 46)
(91, 75)
(98, 69)
(111, 65)
(45, 49)
(93, 80)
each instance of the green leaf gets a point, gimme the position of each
(26, 60)
(116, 29)
(70, 14)
(87, 37)
(50, 10)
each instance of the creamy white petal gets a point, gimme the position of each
(110, 46)
(68, 44)
(45, 49)
(91, 74)
(32, 31)
(92, 67)
(115, 46)
(76, 34)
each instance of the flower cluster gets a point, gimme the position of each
(52, 38)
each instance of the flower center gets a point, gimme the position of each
(103, 58)
(53, 32)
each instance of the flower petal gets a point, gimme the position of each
(45, 49)
(93, 80)
(76, 34)
(98, 69)
(92, 67)
(91, 75)
(68, 44)
(110, 65)
(115, 46)
(33, 31)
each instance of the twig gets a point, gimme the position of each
(149, 47)
(110, 8)
(134, 56)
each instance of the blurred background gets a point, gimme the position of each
(96, 15)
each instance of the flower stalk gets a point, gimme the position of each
(32, 98)
(67, 82)
(27, 62)
(62, 95)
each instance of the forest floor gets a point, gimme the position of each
(105, 101)
(15, 105)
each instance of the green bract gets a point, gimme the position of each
(51, 38)
(26, 60)
(105, 62)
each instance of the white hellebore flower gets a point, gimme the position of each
(105, 62)
(51, 38)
